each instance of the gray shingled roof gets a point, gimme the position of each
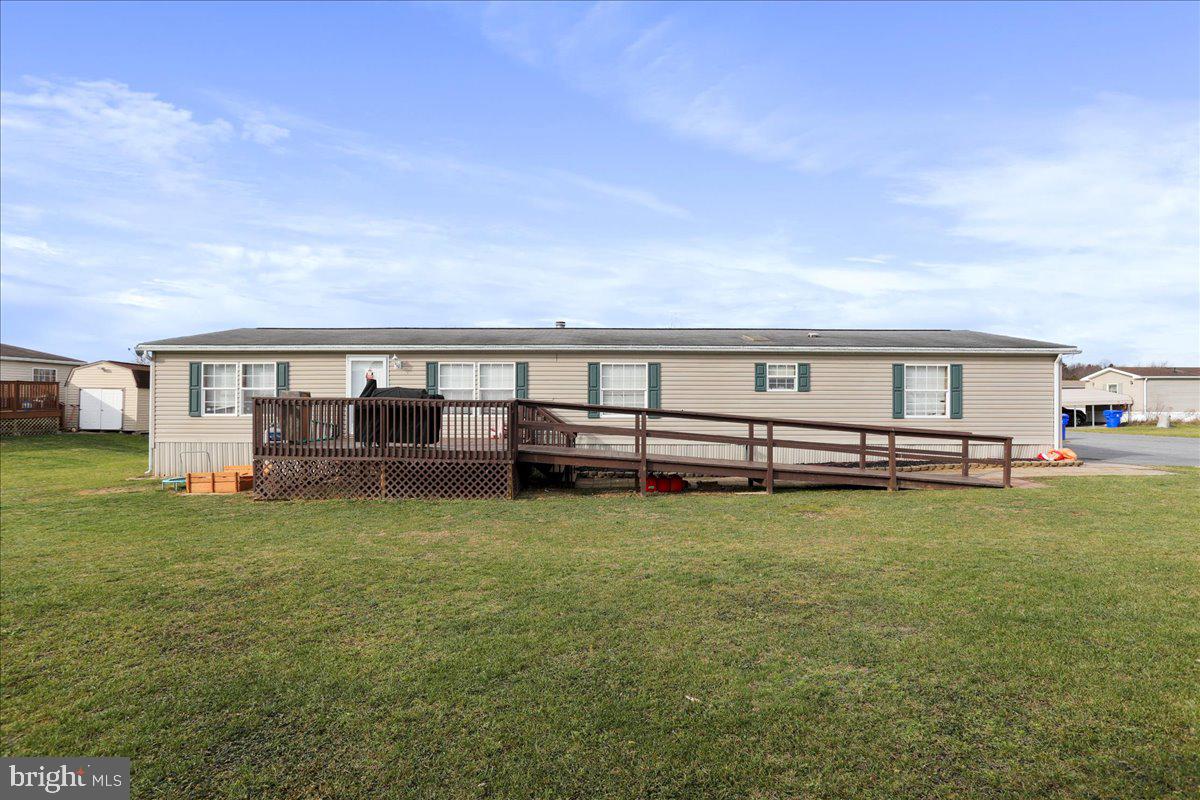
(601, 338)
(12, 351)
(1162, 372)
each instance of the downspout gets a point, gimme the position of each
(150, 437)
(1145, 398)
(1058, 442)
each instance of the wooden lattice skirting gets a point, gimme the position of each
(321, 478)
(33, 426)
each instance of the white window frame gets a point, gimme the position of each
(795, 375)
(947, 392)
(52, 370)
(1115, 388)
(237, 389)
(475, 371)
(274, 373)
(237, 386)
(479, 373)
(645, 365)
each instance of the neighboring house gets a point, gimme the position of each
(1152, 391)
(25, 406)
(110, 396)
(1086, 406)
(23, 364)
(202, 387)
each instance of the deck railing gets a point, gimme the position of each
(29, 398)
(879, 446)
(383, 428)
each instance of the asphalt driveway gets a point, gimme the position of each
(1128, 448)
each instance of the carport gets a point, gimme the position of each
(1087, 406)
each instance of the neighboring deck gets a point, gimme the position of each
(388, 447)
(29, 407)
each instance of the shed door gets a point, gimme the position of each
(100, 409)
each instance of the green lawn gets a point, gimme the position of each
(851, 644)
(1189, 430)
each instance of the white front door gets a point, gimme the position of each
(100, 409)
(357, 368)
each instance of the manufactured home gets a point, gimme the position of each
(31, 390)
(1151, 392)
(203, 387)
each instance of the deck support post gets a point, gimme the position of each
(750, 451)
(1008, 462)
(862, 450)
(892, 482)
(639, 427)
(513, 449)
(770, 458)
(966, 456)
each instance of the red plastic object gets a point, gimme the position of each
(652, 484)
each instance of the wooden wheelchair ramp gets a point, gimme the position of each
(396, 448)
(848, 455)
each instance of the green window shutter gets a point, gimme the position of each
(760, 377)
(956, 391)
(803, 379)
(283, 376)
(431, 377)
(194, 369)
(594, 387)
(522, 380)
(654, 386)
(897, 391)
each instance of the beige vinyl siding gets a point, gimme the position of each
(12, 370)
(135, 413)
(1002, 394)
(1130, 387)
(1179, 395)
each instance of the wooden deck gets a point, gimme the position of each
(29, 408)
(29, 399)
(393, 447)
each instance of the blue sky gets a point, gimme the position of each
(1028, 169)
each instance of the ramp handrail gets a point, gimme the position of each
(641, 432)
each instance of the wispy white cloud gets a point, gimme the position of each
(106, 126)
(27, 244)
(626, 194)
(263, 132)
(701, 89)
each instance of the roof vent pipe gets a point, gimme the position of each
(560, 323)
